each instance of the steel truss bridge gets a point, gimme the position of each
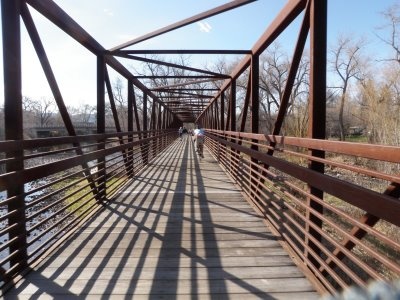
(136, 212)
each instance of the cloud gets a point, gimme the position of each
(204, 27)
(108, 12)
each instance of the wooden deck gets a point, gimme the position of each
(180, 230)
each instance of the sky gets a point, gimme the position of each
(113, 22)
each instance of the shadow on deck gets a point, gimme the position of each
(181, 229)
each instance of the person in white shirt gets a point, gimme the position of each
(199, 141)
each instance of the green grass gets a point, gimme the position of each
(79, 195)
(357, 139)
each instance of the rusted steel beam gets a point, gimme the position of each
(112, 102)
(41, 53)
(153, 116)
(254, 91)
(181, 51)
(185, 89)
(168, 64)
(193, 19)
(55, 14)
(115, 116)
(318, 39)
(232, 120)
(291, 10)
(153, 122)
(181, 76)
(222, 121)
(131, 98)
(254, 119)
(164, 120)
(101, 127)
(217, 115)
(317, 109)
(174, 107)
(145, 127)
(246, 105)
(392, 190)
(210, 118)
(183, 84)
(31, 28)
(183, 95)
(228, 115)
(135, 111)
(298, 52)
(159, 119)
(13, 128)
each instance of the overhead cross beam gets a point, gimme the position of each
(181, 51)
(193, 19)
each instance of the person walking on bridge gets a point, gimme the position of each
(199, 141)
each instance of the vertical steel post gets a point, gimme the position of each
(222, 122)
(232, 106)
(159, 126)
(246, 105)
(101, 124)
(159, 119)
(153, 128)
(10, 11)
(255, 102)
(222, 148)
(145, 148)
(215, 115)
(255, 108)
(130, 127)
(212, 108)
(232, 121)
(145, 113)
(317, 107)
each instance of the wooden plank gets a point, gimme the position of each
(119, 252)
(170, 287)
(178, 261)
(156, 243)
(125, 273)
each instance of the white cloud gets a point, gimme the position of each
(204, 27)
(108, 12)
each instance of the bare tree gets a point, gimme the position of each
(380, 103)
(347, 63)
(42, 110)
(83, 115)
(121, 102)
(273, 75)
(392, 16)
(274, 68)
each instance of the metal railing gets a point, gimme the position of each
(348, 236)
(64, 180)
